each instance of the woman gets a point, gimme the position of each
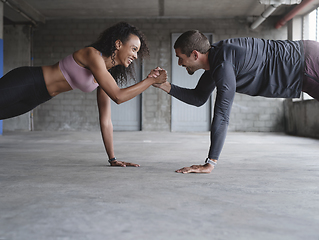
(102, 65)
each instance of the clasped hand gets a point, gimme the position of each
(159, 74)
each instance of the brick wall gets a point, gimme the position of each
(78, 111)
(16, 53)
(301, 118)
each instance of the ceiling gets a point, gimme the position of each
(43, 10)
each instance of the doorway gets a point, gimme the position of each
(188, 118)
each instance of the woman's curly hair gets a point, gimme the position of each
(106, 45)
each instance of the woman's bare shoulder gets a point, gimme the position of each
(85, 56)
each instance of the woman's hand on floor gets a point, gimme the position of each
(116, 163)
(206, 168)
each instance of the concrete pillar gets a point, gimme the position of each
(1, 49)
(295, 29)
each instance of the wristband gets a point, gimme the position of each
(210, 162)
(112, 159)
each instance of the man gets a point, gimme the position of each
(257, 67)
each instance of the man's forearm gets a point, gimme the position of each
(107, 136)
(166, 87)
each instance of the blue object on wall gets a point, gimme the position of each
(1, 74)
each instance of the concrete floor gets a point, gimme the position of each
(56, 185)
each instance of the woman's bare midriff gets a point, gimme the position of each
(54, 80)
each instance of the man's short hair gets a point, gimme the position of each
(192, 40)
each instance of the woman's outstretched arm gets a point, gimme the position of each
(104, 106)
(105, 80)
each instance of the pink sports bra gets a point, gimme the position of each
(78, 77)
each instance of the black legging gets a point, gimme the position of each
(21, 90)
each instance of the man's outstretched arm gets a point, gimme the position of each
(197, 96)
(225, 80)
(226, 87)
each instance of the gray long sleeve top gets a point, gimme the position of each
(251, 66)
